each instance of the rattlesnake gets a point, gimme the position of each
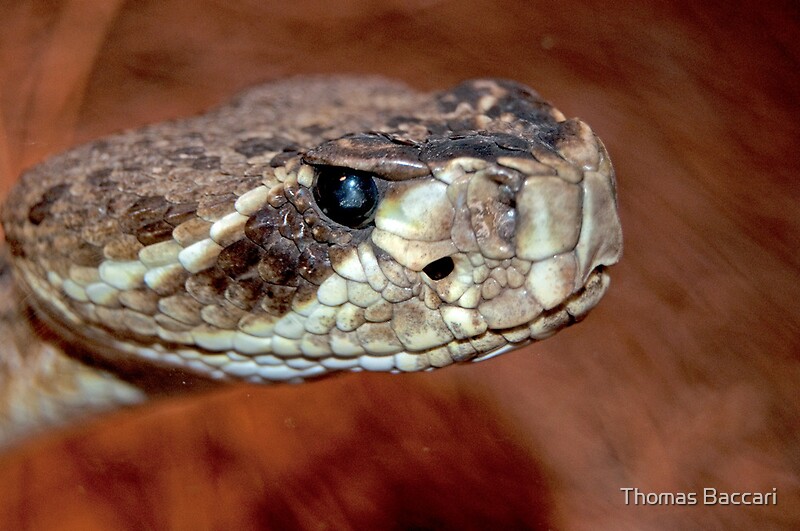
(308, 226)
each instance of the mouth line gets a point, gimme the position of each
(570, 311)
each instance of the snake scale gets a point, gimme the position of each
(309, 226)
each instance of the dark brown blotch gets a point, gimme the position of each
(465, 92)
(303, 199)
(87, 255)
(206, 163)
(437, 128)
(521, 102)
(279, 264)
(263, 225)
(100, 179)
(292, 226)
(277, 300)
(461, 125)
(240, 259)
(208, 286)
(315, 129)
(15, 246)
(245, 293)
(559, 133)
(254, 146)
(41, 210)
(154, 233)
(143, 212)
(177, 214)
(152, 219)
(314, 264)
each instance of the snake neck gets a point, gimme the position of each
(40, 385)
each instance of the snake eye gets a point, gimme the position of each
(348, 197)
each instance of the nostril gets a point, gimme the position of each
(438, 269)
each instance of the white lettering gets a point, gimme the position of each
(627, 491)
(712, 497)
(774, 495)
(633, 496)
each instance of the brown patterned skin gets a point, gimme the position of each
(209, 244)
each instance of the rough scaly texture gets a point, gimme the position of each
(468, 222)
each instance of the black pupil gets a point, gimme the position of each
(348, 197)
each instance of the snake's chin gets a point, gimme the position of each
(574, 309)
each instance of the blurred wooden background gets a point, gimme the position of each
(684, 377)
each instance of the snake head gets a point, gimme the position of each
(318, 225)
(492, 225)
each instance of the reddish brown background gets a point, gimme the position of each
(685, 377)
